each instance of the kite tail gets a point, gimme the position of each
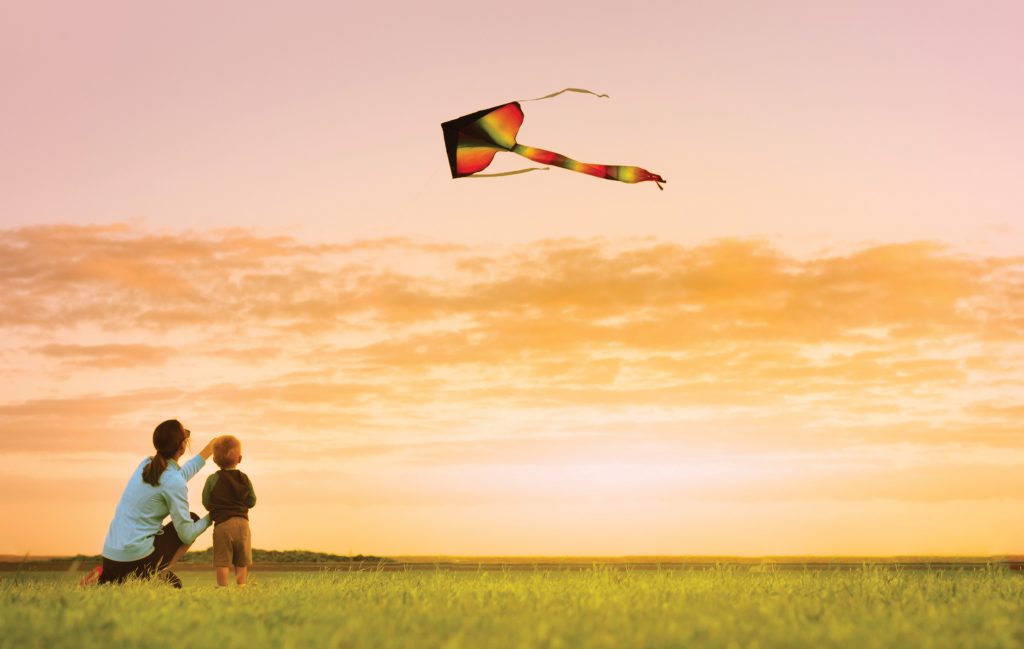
(621, 173)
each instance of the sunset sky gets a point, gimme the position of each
(812, 342)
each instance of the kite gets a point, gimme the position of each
(472, 140)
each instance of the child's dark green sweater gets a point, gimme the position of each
(227, 494)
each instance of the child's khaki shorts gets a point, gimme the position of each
(231, 544)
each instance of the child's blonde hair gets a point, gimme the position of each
(227, 451)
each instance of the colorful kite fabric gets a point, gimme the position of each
(472, 140)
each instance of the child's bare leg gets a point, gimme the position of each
(241, 574)
(222, 576)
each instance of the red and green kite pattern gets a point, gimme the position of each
(472, 140)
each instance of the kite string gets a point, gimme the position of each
(508, 173)
(555, 94)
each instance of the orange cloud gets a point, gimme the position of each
(563, 322)
(107, 356)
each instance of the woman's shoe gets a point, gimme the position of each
(170, 578)
(93, 577)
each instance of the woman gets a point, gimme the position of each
(136, 544)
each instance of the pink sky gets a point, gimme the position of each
(241, 215)
(820, 122)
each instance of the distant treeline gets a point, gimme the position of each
(258, 556)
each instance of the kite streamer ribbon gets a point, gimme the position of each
(472, 140)
(580, 90)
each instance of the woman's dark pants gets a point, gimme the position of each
(166, 544)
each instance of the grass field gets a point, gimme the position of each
(602, 607)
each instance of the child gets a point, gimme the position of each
(228, 495)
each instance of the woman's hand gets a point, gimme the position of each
(208, 449)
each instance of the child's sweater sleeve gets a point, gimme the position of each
(211, 482)
(250, 500)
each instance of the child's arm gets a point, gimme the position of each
(208, 490)
(250, 500)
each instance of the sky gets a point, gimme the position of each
(242, 216)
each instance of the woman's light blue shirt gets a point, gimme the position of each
(141, 512)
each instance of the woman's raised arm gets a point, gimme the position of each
(208, 449)
(191, 468)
